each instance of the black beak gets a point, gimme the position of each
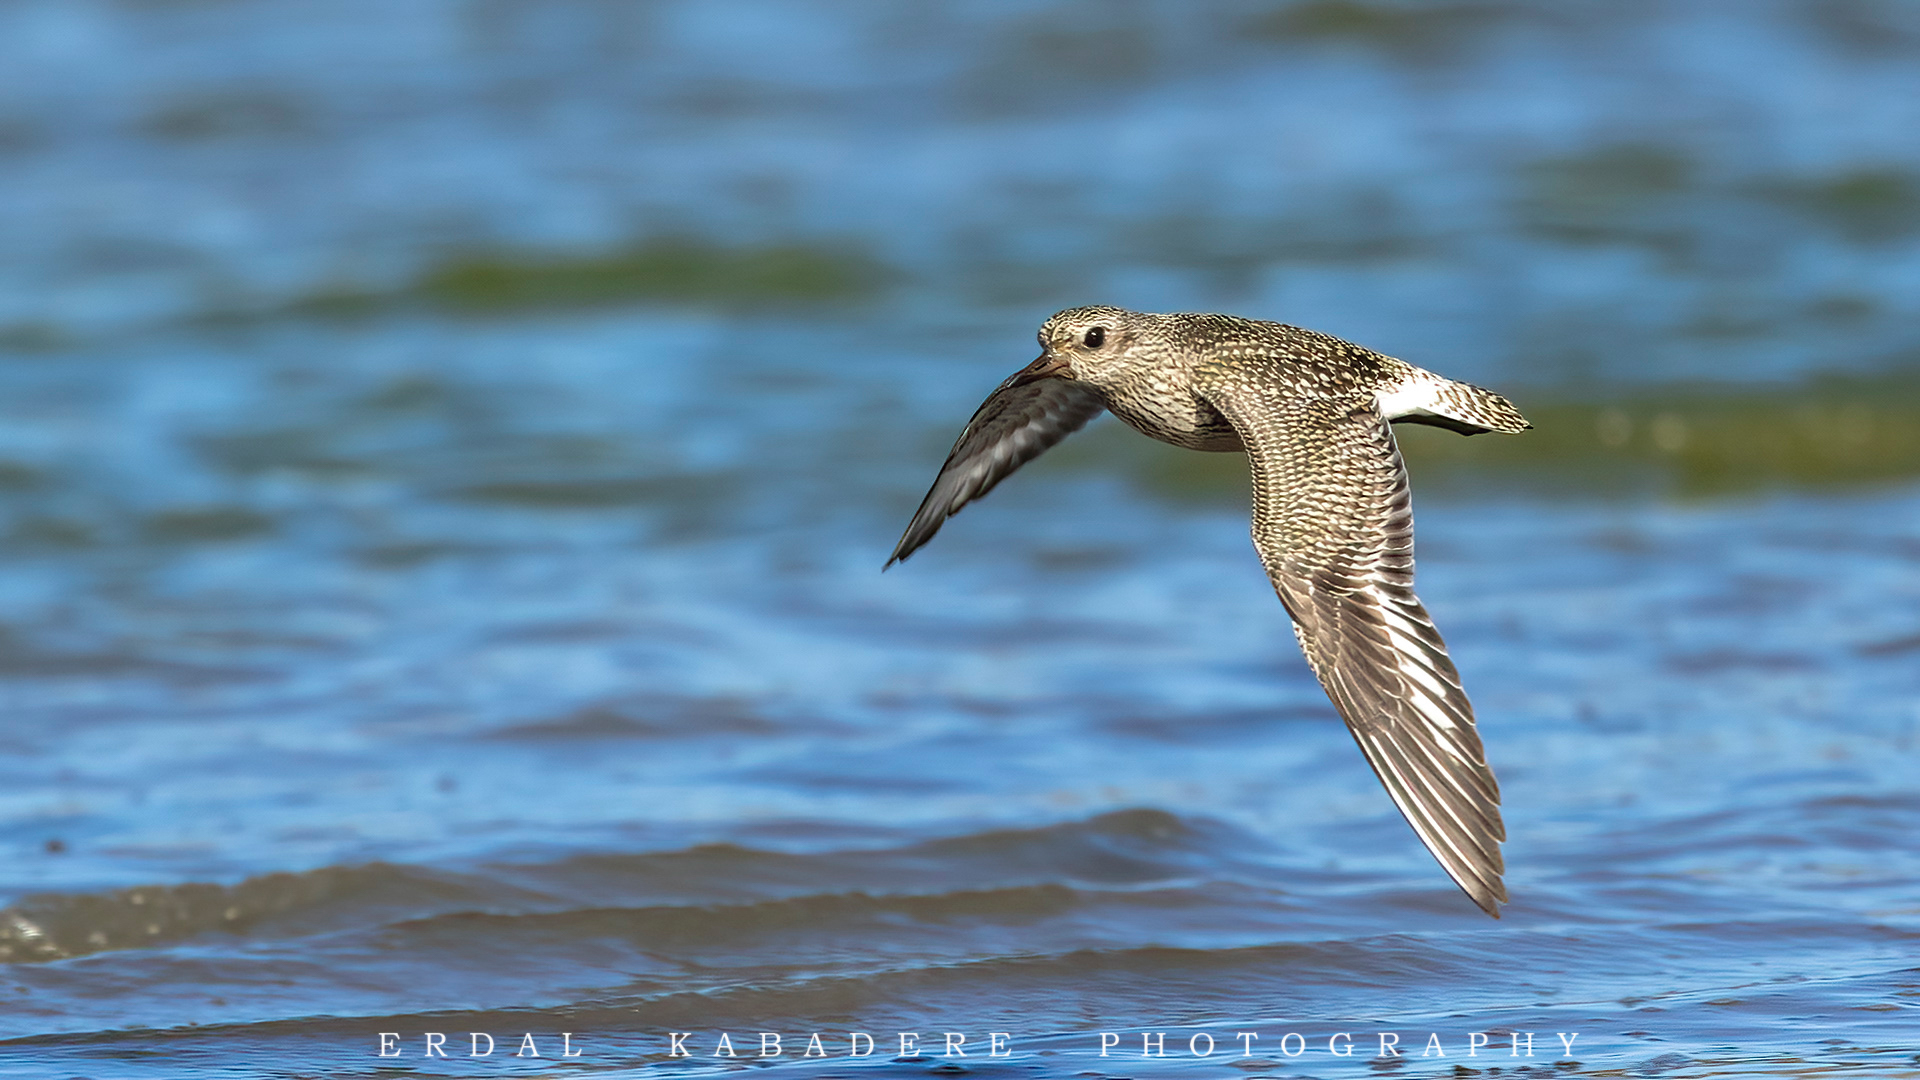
(1050, 365)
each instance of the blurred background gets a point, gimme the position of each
(447, 452)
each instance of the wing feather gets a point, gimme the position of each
(1333, 523)
(1018, 422)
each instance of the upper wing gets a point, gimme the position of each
(1028, 413)
(1333, 522)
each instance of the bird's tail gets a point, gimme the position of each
(1456, 406)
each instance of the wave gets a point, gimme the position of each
(674, 893)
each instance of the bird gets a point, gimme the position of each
(1332, 519)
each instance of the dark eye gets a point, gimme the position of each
(1096, 337)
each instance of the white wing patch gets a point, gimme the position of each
(1418, 396)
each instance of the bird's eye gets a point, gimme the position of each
(1096, 337)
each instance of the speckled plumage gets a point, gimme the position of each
(1332, 519)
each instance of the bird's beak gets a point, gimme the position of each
(1050, 365)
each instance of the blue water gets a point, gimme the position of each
(378, 660)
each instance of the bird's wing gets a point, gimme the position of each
(1028, 413)
(1333, 523)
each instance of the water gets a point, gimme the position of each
(447, 452)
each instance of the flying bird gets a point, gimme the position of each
(1332, 519)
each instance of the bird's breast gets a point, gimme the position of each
(1173, 414)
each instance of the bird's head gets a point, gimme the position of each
(1091, 344)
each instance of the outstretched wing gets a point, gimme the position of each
(1333, 523)
(1028, 413)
